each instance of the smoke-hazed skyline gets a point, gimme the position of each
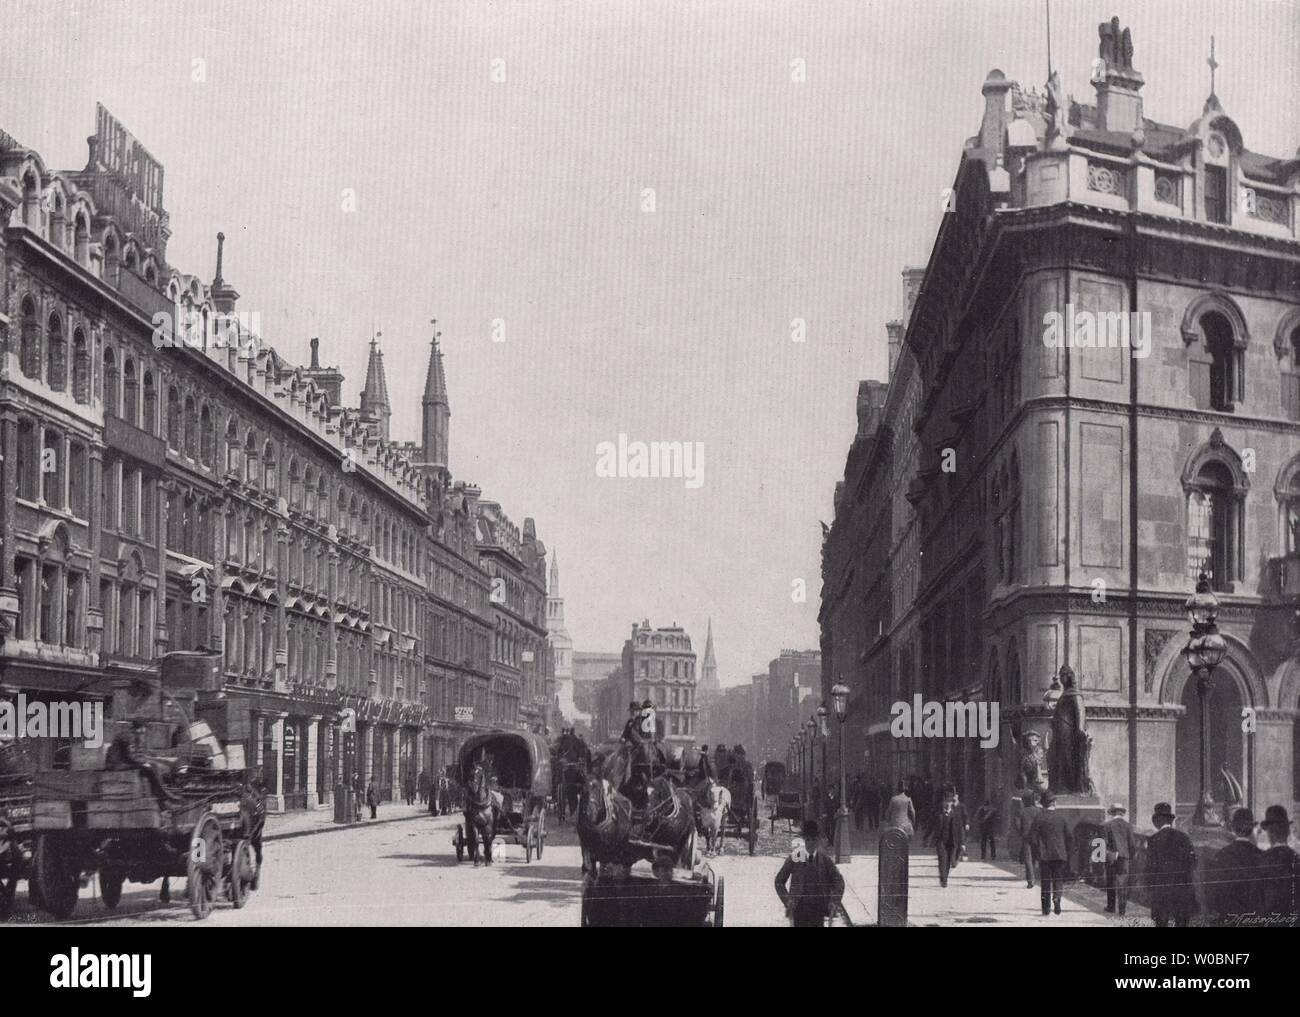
(619, 213)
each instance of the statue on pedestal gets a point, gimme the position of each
(1071, 744)
(1031, 771)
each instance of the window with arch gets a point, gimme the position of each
(56, 355)
(81, 239)
(268, 468)
(150, 418)
(252, 471)
(112, 265)
(29, 356)
(309, 494)
(31, 201)
(191, 428)
(1215, 374)
(112, 382)
(1291, 376)
(323, 499)
(295, 485)
(130, 392)
(1288, 499)
(29, 460)
(1214, 525)
(80, 367)
(206, 437)
(233, 465)
(174, 425)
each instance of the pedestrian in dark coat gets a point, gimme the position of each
(948, 838)
(372, 798)
(358, 796)
(408, 789)
(1121, 849)
(423, 787)
(1282, 871)
(1028, 850)
(1051, 834)
(1234, 880)
(1169, 871)
(986, 822)
(816, 887)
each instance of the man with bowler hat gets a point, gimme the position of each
(1121, 849)
(1051, 834)
(815, 884)
(948, 836)
(1282, 868)
(1169, 873)
(1234, 880)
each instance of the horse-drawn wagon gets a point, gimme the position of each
(773, 778)
(741, 817)
(506, 777)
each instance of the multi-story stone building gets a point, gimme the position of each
(171, 482)
(523, 674)
(658, 665)
(1027, 498)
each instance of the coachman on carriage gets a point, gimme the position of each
(571, 759)
(505, 777)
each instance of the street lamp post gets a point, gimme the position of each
(810, 808)
(803, 774)
(824, 732)
(1204, 651)
(843, 843)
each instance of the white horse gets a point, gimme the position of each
(711, 814)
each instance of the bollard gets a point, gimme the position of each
(891, 901)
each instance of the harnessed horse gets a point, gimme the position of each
(481, 807)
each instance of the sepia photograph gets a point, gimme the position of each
(651, 463)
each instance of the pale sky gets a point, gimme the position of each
(521, 200)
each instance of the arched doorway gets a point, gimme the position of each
(1227, 744)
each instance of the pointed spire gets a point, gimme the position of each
(554, 585)
(435, 380)
(708, 647)
(374, 395)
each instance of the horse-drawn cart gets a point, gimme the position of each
(506, 776)
(110, 823)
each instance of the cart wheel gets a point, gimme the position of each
(204, 865)
(719, 899)
(57, 877)
(242, 868)
(110, 886)
(530, 833)
(541, 836)
(458, 842)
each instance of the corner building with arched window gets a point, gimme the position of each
(1028, 492)
(171, 482)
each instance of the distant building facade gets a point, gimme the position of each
(658, 665)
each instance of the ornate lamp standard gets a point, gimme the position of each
(810, 729)
(803, 775)
(1204, 651)
(843, 843)
(824, 732)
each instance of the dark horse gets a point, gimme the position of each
(480, 814)
(604, 822)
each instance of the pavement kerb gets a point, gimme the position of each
(332, 827)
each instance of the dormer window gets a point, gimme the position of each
(1216, 194)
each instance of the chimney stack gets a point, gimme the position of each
(895, 330)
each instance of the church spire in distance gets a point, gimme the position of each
(374, 394)
(436, 416)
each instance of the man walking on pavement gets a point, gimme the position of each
(986, 822)
(948, 837)
(1234, 880)
(1028, 850)
(1051, 834)
(372, 798)
(816, 887)
(1121, 848)
(1169, 871)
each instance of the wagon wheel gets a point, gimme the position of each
(204, 866)
(9, 858)
(110, 886)
(242, 868)
(719, 899)
(541, 835)
(57, 877)
(530, 833)
(458, 842)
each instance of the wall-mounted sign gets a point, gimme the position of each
(465, 714)
(117, 149)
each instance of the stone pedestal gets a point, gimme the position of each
(1086, 817)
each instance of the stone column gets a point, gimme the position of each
(275, 795)
(365, 749)
(8, 470)
(313, 778)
